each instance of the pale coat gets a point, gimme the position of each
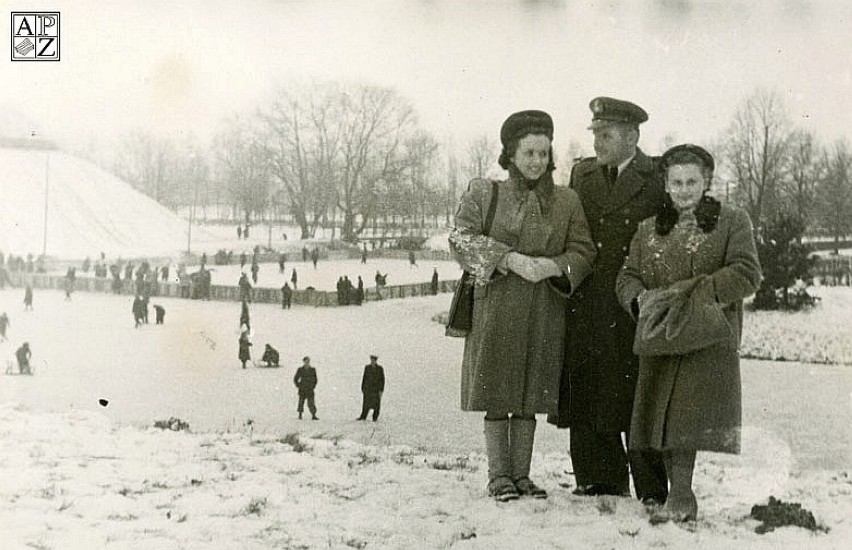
(513, 354)
(692, 401)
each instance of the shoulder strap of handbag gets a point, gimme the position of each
(492, 208)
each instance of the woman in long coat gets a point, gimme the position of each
(537, 251)
(690, 401)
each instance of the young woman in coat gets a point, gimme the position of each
(690, 401)
(537, 251)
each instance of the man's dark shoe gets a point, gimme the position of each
(652, 503)
(361, 418)
(596, 489)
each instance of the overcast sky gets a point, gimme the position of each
(175, 67)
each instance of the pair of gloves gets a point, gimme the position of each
(530, 268)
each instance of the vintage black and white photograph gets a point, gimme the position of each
(426, 274)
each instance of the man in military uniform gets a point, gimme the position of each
(619, 187)
(372, 388)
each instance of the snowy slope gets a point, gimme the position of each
(88, 210)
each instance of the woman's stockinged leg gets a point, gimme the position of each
(496, 429)
(521, 439)
(681, 504)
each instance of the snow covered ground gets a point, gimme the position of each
(81, 475)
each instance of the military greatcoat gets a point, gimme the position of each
(600, 369)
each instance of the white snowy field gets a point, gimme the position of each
(80, 475)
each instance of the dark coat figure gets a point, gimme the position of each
(145, 309)
(339, 287)
(246, 231)
(433, 285)
(364, 254)
(245, 318)
(294, 279)
(70, 279)
(270, 356)
(243, 259)
(282, 259)
(160, 313)
(412, 261)
(239, 232)
(372, 388)
(306, 381)
(206, 282)
(138, 309)
(28, 297)
(116, 283)
(286, 296)
(245, 288)
(244, 344)
(315, 256)
(203, 259)
(381, 281)
(600, 370)
(348, 291)
(165, 272)
(359, 292)
(304, 253)
(4, 324)
(255, 267)
(23, 355)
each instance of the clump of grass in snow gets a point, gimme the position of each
(453, 463)
(294, 441)
(255, 506)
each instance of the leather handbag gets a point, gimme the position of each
(678, 321)
(460, 318)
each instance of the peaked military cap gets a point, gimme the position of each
(606, 110)
(700, 152)
(525, 122)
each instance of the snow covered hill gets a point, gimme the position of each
(89, 210)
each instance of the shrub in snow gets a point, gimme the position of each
(780, 514)
(174, 424)
(786, 263)
(293, 440)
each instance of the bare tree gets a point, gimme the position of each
(834, 193)
(421, 150)
(374, 123)
(757, 151)
(481, 154)
(452, 191)
(805, 170)
(244, 165)
(148, 164)
(297, 124)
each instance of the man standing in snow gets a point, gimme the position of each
(618, 188)
(286, 296)
(4, 323)
(372, 388)
(306, 381)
